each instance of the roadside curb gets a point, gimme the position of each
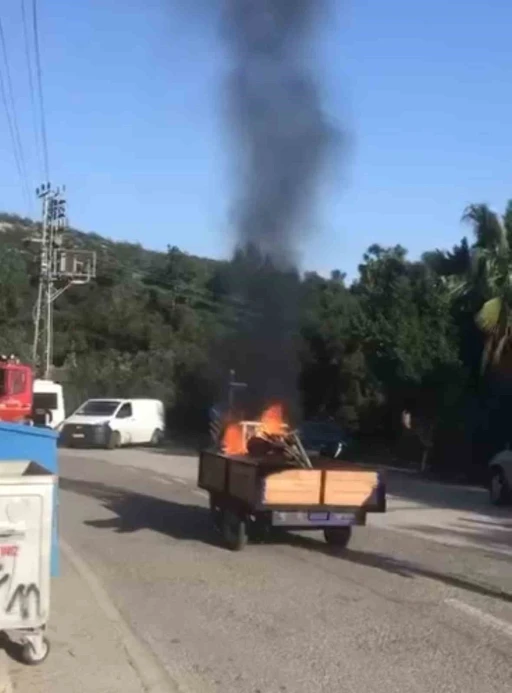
(151, 673)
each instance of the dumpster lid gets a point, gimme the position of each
(14, 471)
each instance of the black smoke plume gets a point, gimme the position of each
(281, 139)
(282, 133)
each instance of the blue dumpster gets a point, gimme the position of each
(19, 442)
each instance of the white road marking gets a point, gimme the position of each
(162, 480)
(151, 673)
(504, 627)
(200, 492)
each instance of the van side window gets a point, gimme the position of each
(125, 412)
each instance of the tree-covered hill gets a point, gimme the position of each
(402, 336)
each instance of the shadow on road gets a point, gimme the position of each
(405, 569)
(134, 511)
(12, 647)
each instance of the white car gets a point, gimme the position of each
(113, 422)
(500, 484)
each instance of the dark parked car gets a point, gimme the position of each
(325, 438)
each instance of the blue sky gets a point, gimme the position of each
(133, 94)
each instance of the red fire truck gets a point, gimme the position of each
(16, 387)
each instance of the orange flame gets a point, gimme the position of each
(271, 423)
(272, 420)
(233, 442)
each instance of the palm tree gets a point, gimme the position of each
(489, 279)
(449, 264)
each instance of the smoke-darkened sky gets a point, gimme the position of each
(281, 133)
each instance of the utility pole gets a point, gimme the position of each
(59, 268)
(233, 386)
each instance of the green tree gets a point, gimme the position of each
(405, 330)
(15, 304)
(333, 370)
(486, 281)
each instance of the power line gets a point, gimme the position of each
(12, 120)
(10, 125)
(26, 38)
(39, 73)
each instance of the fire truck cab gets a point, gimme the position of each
(16, 383)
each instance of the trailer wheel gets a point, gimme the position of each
(216, 512)
(234, 530)
(259, 530)
(338, 536)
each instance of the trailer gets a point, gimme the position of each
(250, 496)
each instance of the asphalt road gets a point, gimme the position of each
(420, 603)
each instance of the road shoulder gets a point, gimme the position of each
(92, 649)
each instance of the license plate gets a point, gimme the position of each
(318, 517)
(342, 519)
(78, 435)
(310, 520)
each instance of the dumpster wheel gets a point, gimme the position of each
(31, 655)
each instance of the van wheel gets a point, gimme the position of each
(114, 440)
(499, 490)
(156, 438)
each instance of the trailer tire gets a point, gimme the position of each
(216, 512)
(338, 536)
(234, 530)
(259, 530)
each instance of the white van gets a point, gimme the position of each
(48, 403)
(113, 422)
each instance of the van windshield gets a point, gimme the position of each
(98, 407)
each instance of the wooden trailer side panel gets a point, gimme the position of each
(293, 487)
(212, 472)
(243, 482)
(353, 489)
(251, 484)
